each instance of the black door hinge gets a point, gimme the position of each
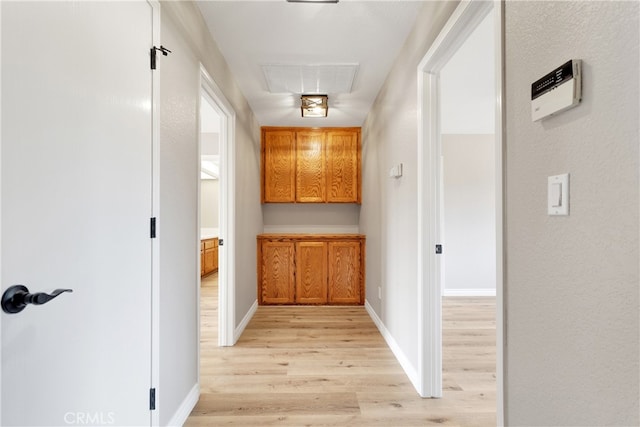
(220, 242)
(152, 399)
(153, 228)
(153, 51)
(438, 249)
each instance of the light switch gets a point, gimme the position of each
(555, 198)
(396, 171)
(558, 195)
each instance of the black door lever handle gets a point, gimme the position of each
(17, 297)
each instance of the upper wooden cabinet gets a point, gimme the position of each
(310, 165)
(279, 159)
(343, 166)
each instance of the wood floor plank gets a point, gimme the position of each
(242, 404)
(329, 366)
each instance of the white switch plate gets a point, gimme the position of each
(396, 171)
(558, 194)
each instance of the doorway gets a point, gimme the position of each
(467, 141)
(432, 201)
(216, 210)
(210, 126)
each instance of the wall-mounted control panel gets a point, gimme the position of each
(557, 91)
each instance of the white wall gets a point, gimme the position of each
(467, 84)
(185, 33)
(177, 223)
(388, 214)
(209, 203)
(572, 282)
(469, 214)
(467, 116)
(310, 218)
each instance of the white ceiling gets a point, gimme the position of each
(251, 34)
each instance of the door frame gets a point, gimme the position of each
(155, 211)
(462, 23)
(226, 226)
(1, 289)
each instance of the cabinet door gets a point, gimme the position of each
(202, 258)
(215, 255)
(279, 163)
(311, 273)
(209, 256)
(208, 260)
(343, 166)
(344, 273)
(277, 276)
(310, 167)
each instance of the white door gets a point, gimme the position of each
(76, 202)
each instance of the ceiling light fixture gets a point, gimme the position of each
(312, 1)
(314, 105)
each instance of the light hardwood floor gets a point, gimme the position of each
(329, 366)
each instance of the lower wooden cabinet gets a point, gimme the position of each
(277, 280)
(344, 271)
(311, 273)
(311, 269)
(208, 256)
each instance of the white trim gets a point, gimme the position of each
(429, 234)
(226, 254)
(245, 321)
(406, 365)
(155, 211)
(198, 242)
(1, 287)
(469, 292)
(463, 21)
(185, 408)
(501, 342)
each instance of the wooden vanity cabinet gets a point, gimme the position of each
(208, 256)
(311, 269)
(201, 258)
(310, 165)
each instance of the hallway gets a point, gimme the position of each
(330, 366)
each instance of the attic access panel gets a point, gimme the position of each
(310, 79)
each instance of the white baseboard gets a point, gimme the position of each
(469, 292)
(245, 321)
(408, 368)
(185, 408)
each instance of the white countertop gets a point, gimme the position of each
(208, 233)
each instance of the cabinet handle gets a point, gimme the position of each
(17, 297)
